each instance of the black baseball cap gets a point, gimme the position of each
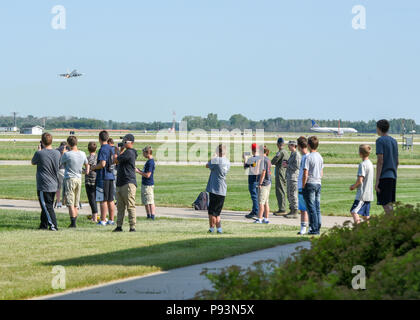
(128, 137)
(280, 141)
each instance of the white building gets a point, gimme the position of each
(9, 129)
(37, 130)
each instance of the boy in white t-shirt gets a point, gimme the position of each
(364, 186)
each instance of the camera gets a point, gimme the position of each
(121, 144)
(41, 145)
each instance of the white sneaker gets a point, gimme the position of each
(101, 223)
(59, 205)
(258, 221)
(110, 223)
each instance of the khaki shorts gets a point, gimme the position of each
(147, 195)
(264, 194)
(71, 192)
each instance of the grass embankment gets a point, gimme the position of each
(93, 254)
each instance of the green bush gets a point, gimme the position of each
(387, 248)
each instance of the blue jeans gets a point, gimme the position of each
(253, 191)
(312, 196)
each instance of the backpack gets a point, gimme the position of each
(202, 201)
(110, 162)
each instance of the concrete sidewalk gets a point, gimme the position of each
(186, 213)
(177, 284)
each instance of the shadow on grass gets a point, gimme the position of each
(180, 253)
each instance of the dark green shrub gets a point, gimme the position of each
(387, 248)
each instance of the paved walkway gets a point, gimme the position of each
(30, 205)
(176, 284)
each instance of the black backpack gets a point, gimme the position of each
(202, 201)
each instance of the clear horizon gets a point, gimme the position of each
(143, 60)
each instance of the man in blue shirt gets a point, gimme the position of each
(386, 167)
(105, 180)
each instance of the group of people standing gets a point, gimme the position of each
(112, 173)
(110, 176)
(298, 175)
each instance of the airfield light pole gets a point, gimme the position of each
(14, 118)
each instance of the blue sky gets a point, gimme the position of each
(264, 59)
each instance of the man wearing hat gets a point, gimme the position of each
(292, 174)
(126, 183)
(280, 174)
(251, 165)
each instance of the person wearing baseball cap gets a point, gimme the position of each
(126, 183)
(280, 174)
(250, 164)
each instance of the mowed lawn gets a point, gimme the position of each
(93, 254)
(332, 153)
(178, 186)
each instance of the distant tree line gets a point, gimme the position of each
(211, 121)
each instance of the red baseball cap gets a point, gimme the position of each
(254, 147)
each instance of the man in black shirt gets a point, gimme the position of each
(126, 184)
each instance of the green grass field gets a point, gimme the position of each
(93, 255)
(178, 186)
(332, 153)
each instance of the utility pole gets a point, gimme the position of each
(14, 118)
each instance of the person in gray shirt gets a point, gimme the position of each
(47, 161)
(216, 187)
(73, 162)
(311, 185)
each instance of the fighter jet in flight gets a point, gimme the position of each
(72, 74)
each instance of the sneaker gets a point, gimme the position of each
(53, 229)
(211, 230)
(152, 217)
(219, 231)
(132, 230)
(101, 223)
(258, 221)
(313, 233)
(118, 229)
(110, 223)
(266, 221)
(80, 206)
(251, 215)
(291, 215)
(149, 216)
(59, 205)
(280, 213)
